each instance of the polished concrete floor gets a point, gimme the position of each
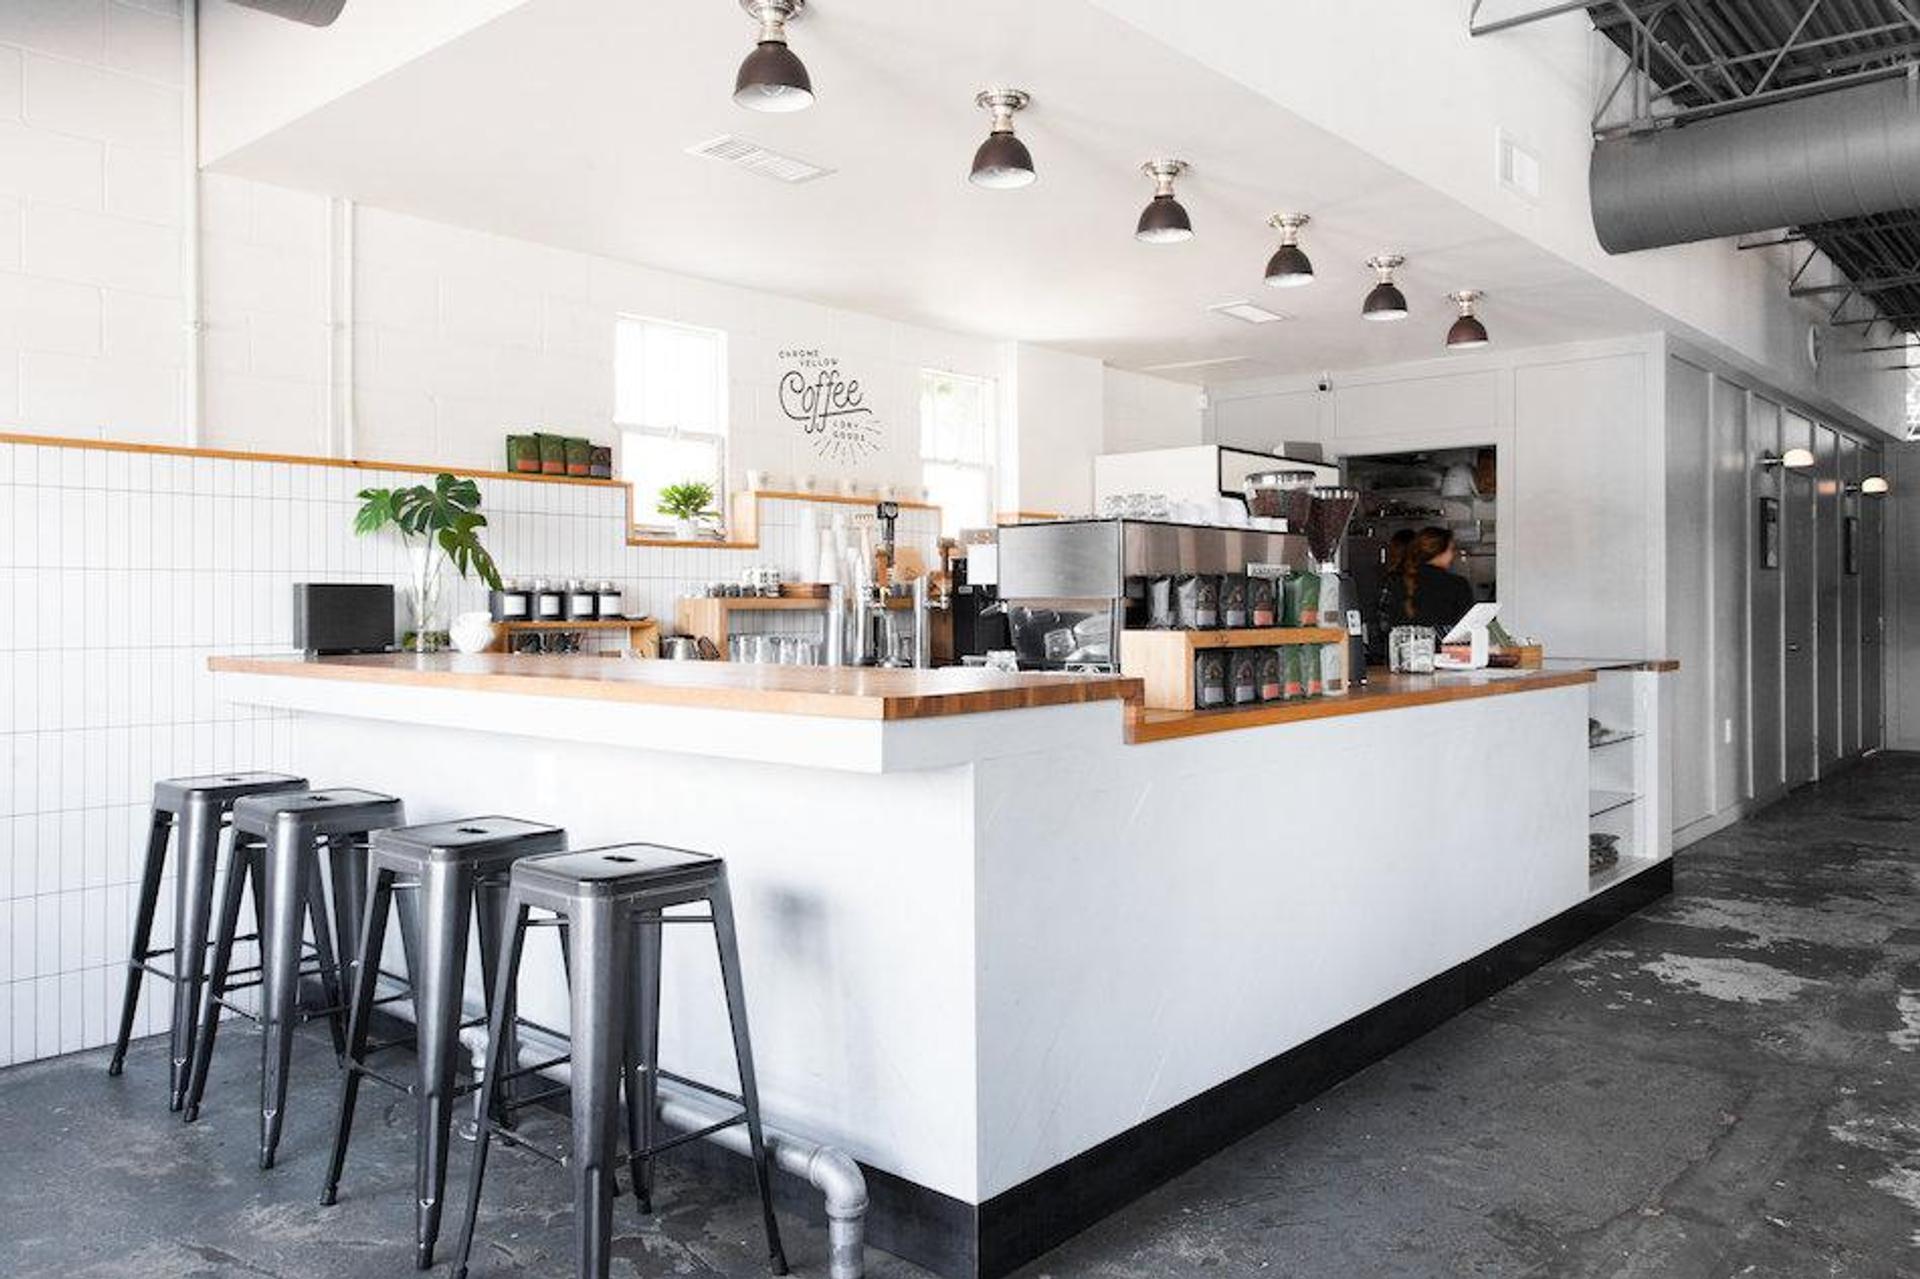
(1726, 1085)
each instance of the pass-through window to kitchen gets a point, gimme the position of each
(670, 403)
(957, 447)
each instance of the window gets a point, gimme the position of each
(670, 403)
(957, 448)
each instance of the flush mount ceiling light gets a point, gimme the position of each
(772, 78)
(1467, 333)
(1289, 268)
(1164, 220)
(1249, 312)
(1872, 486)
(1386, 302)
(1003, 161)
(1792, 460)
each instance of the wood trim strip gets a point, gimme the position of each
(1385, 693)
(294, 459)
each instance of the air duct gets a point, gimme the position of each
(315, 13)
(1843, 154)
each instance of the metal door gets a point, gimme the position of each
(1765, 706)
(1872, 512)
(1798, 582)
(1850, 567)
(1827, 645)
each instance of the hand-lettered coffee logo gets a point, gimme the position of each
(829, 406)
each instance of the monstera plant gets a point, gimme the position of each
(440, 525)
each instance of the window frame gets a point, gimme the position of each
(989, 469)
(718, 439)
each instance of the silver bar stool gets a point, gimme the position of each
(609, 903)
(200, 807)
(447, 874)
(289, 845)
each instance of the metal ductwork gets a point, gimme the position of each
(315, 13)
(1847, 153)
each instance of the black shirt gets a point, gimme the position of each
(1440, 599)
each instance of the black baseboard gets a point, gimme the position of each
(959, 1240)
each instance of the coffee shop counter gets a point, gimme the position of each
(1018, 966)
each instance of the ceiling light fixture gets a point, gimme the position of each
(1003, 161)
(1289, 268)
(1872, 486)
(1386, 302)
(1467, 333)
(1250, 312)
(1164, 220)
(772, 78)
(1792, 460)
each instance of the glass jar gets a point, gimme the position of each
(610, 601)
(1410, 650)
(549, 602)
(511, 603)
(583, 604)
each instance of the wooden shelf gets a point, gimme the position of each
(711, 617)
(1163, 660)
(843, 499)
(643, 633)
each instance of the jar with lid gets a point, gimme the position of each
(612, 603)
(512, 602)
(549, 602)
(582, 603)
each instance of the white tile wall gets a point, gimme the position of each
(123, 573)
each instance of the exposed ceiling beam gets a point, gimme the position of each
(1475, 27)
(1869, 285)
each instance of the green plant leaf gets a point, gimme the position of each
(686, 500)
(376, 511)
(448, 512)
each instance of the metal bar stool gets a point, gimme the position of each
(450, 872)
(200, 807)
(278, 843)
(609, 902)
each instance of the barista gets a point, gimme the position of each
(1424, 591)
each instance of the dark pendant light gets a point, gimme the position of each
(1164, 220)
(1386, 302)
(772, 78)
(1003, 161)
(1467, 333)
(1289, 268)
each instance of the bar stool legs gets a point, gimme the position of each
(292, 877)
(721, 902)
(242, 868)
(492, 1090)
(159, 829)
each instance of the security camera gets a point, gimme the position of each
(1326, 382)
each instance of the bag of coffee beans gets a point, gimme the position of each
(1290, 599)
(1309, 598)
(1233, 600)
(1243, 676)
(1271, 687)
(1262, 608)
(1293, 685)
(1209, 679)
(1310, 681)
(1160, 603)
(1196, 601)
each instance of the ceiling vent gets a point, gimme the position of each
(1246, 312)
(315, 13)
(755, 158)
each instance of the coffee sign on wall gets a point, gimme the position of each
(829, 406)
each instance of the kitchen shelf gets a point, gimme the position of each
(1613, 738)
(1607, 801)
(1163, 660)
(643, 633)
(1626, 868)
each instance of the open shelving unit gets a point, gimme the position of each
(1164, 659)
(643, 633)
(1623, 786)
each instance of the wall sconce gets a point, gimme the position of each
(1792, 460)
(1872, 486)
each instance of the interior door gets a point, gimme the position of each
(1850, 568)
(1828, 665)
(1798, 581)
(1872, 513)
(1765, 702)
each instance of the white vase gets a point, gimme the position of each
(685, 530)
(472, 632)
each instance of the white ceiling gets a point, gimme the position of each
(566, 122)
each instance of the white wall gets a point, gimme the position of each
(91, 177)
(1903, 610)
(1146, 412)
(1059, 404)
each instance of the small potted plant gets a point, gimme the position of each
(687, 502)
(439, 525)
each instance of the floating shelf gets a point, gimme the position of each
(1606, 801)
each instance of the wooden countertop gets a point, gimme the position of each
(845, 692)
(1384, 693)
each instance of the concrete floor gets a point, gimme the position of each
(1725, 1085)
